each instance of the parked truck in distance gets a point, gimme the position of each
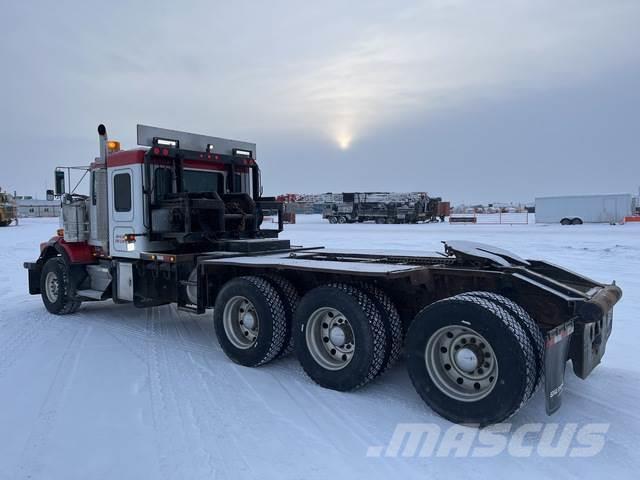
(579, 209)
(180, 221)
(385, 207)
(8, 209)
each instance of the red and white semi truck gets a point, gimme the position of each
(179, 220)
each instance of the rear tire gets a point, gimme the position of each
(290, 300)
(342, 219)
(250, 321)
(333, 220)
(529, 325)
(340, 337)
(470, 360)
(576, 221)
(392, 324)
(56, 288)
(565, 221)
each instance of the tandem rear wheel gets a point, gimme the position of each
(474, 358)
(250, 321)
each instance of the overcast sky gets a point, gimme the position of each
(476, 101)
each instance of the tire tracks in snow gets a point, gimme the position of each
(31, 460)
(182, 414)
(25, 332)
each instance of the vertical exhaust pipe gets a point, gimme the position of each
(102, 133)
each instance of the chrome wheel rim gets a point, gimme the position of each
(461, 363)
(241, 322)
(52, 287)
(330, 338)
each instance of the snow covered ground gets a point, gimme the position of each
(115, 392)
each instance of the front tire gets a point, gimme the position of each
(470, 360)
(250, 321)
(56, 288)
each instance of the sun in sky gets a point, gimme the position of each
(344, 140)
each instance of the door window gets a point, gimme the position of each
(122, 192)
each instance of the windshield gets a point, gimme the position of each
(200, 181)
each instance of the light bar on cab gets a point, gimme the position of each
(237, 152)
(166, 142)
(210, 148)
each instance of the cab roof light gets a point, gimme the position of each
(210, 148)
(113, 146)
(238, 152)
(166, 142)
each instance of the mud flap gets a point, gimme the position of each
(556, 353)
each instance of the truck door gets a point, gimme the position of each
(122, 208)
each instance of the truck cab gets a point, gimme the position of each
(160, 206)
(179, 192)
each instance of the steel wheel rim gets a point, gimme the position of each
(241, 322)
(461, 363)
(52, 286)
(330, 338)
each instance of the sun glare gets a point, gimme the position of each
(344, 140)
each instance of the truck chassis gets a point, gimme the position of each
(479, 294)
(481, 329)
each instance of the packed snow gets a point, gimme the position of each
(116, 392)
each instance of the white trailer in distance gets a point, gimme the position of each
(579, 209)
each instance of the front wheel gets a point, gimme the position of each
(470, 360)
(56, 288)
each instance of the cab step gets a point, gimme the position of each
(90, 293)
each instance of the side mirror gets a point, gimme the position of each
(49, 195)
(59, 184)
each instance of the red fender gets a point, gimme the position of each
(74, 252)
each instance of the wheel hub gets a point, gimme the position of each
(241, 322)
(248, 320)
(330, 338)
(466, 360)
(52, 287)
(461, 363)
(337, 336)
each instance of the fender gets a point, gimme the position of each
(73, 253)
